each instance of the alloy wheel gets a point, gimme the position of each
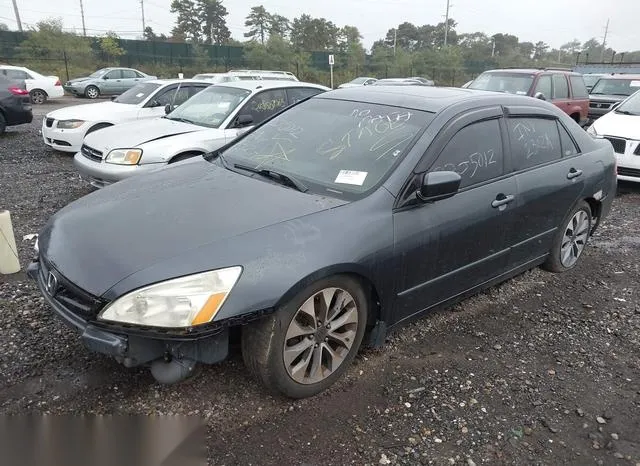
(575, 238)
(92, 93)
(320, 335)
(38, 97)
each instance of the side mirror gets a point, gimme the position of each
(540, 95)
(243, 120)
(168, 109)
(616, 105)
(105, 77)
(438, 185)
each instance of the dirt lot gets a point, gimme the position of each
(544, 369)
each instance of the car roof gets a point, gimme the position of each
(426, 98)
(12, 67)
(266, 84)
(532, 71)
(165, 82)
(620, 76)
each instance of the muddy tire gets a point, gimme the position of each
(570, 240)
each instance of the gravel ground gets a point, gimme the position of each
(543, 369)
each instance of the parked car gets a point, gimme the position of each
(610, 90)
(107, 81)
(621, 127)
(202, 124)
(362, 81)
(40, 87)
(328, 225)
(398, 82)
(425, 81)
(217, 77)
(64, 129)
(15, 104)
(590, 79)
(264, 74)
(565, 89)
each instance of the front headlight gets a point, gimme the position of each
(124, 156)
(180, 302)
(70, 124)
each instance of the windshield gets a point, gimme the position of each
(354, 149)
(631, 105)
(590, 80)
(512, 83)
(137, 94)
(616, 86)
(98, 73)
(359, 81)
(210, 107)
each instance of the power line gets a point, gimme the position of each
(15, 9)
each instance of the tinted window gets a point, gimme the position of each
(16, 74)
(569, 147)
(175, 95)
(211, 107)
(336, 147)
(137, 94)
(560, 87)
(138, 74)
(193, 90)
(578, 87)
(115, 74)
(534, 141)
(263, 105)
(129, 74)
(616, 86)
(475, 153)
(544, 86)
(297, 94)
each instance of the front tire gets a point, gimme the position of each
(38, 96)
(92, 92)
(308, 343)
(571, 239)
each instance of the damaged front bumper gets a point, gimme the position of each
(129, 345)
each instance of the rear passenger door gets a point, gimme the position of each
(561, 92)
(549, 174)
(450, 246)
(129, 79)
(259, 107)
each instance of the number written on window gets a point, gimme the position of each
(534, 141)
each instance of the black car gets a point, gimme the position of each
(330, 224)
(15, 103)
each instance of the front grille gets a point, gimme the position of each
(602, 105)
(49, 122)
(623, 171)
(91, 153)
(618, 144)
(68, 295)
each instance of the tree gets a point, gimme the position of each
(279, 26)
(276, 53)
(214, 23)
(48, 40)
(350, 46)
(505, 44)
(150, 35)
(189, 23)
(405, 36)
(310, 34)
(259, 22)
(4, 27)
(571, 47)
(539, 50)
(110, 46)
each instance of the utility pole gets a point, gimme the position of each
(144, 26)
(395, 39)
(604, 41)
(84, 28)
(493, 46)
(15, 10)
(446, 24)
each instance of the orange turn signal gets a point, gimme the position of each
(209, 309)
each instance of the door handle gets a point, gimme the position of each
(502, 200)
(573, 173)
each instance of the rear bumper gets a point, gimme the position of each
(134, 348)
(56, 92)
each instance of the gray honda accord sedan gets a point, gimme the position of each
(324, 228)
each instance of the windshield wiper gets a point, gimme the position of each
(182, 120)
(286, 180)
(625, 112)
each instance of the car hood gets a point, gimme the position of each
(617, 124)
(606, 98)
(110, 234)
(102, 111)
(136, 133)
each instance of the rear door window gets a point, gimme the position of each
(544, 86)
(129, 74)
(115, 74)
(578, 87)
(534, 141)
(296, 94)
(569, 147)
(560, 87)
(474, 152)
(261, 106)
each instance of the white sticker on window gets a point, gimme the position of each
(139, 94)
(351, 177)
(634, 84)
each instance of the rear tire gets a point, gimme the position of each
(38, 96)
(92, 92)
(309, 342)
(571, 239)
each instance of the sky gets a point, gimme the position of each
(552, 21)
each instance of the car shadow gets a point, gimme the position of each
(627, 187)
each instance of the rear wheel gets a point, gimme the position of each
(38, 96)
(308, 343)
(92, 92)
(570, 240)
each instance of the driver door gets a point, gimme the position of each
(260, 106)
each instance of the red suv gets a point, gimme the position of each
(565, 89)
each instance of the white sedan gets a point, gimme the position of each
(621, 126)
(40, 87)
(64, 129)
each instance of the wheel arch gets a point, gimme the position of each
(99, 125)
(39, 89)
(185, 155)
(596, 210)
